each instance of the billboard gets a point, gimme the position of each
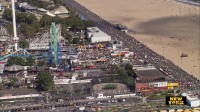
(157, 84)
(176, 100)
(172, 85)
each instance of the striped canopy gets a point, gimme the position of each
(14, 68)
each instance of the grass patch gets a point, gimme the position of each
(109, 86)
(159, 96)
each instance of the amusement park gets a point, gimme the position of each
(54, 58)
(53, 53)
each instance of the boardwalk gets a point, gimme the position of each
(187, 81)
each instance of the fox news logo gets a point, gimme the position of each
(175, 100)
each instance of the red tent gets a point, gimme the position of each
(61, 74)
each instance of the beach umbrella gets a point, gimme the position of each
(14, 68)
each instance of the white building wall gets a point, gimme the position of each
(96, 35)
(158, 84)
(194, 103)
(36, 46)
(100, 39)
(192, 100)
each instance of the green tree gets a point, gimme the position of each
(36, 26)
(72, 12)
(23, 44)
(129, 72)
(38, 3)
(59, 2)
(30, 18)
(41, 63)
(130, 81)
(21, 17)
(28, 24)
(45, 81)
(75, 40)
(30, 32)
(128, 67)
(45, 20)
(15, 60)
(12, 82)
(30, 61)
(134, 74)
(7, 15)
(122, 74)
(23, 28)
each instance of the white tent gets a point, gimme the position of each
(50, 14)
(60, 10)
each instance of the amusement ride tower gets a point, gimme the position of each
(14, 26)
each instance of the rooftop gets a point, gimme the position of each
(19, 91)
(149, 73)
(60, 10)
(96, 32)
(190, 97)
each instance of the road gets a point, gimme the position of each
(186, 81)
(73, 103)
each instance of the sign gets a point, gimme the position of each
(1, 67)
(172, 85)
(175, 100)
(158, 84)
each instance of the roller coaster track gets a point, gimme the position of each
(24, 54)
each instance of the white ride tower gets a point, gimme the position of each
(14, 26)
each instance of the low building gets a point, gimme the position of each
(27, 7)
(39, 46)
(116, 45)
(50, 14)
(42, 43)
(96, 35)
(192, 100)
(61, 10)
(150, 80)
(20, 95)
(120, 53)
(99, 90)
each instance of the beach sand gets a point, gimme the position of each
(168, 27)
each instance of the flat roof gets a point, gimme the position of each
(20, 96)
(96, 32)
(190, 97)
(150, 73)
(19, 91)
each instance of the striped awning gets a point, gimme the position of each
(14, 68)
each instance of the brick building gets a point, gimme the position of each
(150, 80)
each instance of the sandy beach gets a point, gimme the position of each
(168, 27)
